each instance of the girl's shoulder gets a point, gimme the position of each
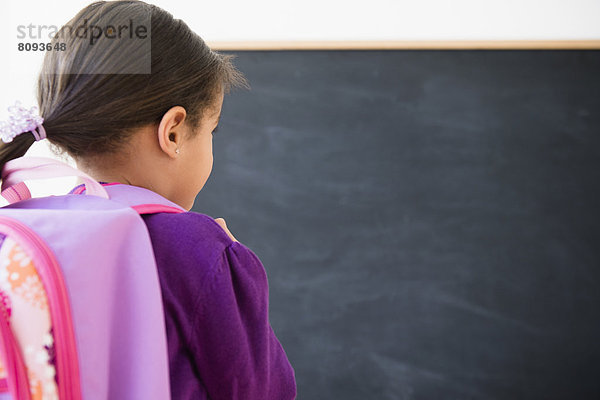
(194, 255)
(188, 233)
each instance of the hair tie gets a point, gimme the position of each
(22, 120)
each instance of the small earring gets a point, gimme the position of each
(177, 151)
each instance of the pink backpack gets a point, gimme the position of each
(81, 314)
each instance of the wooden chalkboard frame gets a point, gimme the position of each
(409, 45)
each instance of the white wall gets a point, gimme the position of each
(258, 20)
(391, 19)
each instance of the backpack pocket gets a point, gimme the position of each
(37, 351)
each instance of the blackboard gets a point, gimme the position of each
(428, 220)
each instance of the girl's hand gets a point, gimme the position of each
(221, 222)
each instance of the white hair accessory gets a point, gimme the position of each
(22, 120)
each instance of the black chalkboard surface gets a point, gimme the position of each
(428, 220)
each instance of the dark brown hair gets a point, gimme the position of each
(92, 95)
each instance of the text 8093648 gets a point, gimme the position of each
(42, 46)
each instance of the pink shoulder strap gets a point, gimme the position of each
(16, 171)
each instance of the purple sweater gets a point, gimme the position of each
(215, 296)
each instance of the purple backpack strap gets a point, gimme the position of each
(142, 200)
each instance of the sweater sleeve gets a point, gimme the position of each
(233, 344)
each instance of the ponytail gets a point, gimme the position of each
(15, 149)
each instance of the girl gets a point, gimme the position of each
(139, 108)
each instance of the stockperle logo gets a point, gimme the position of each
(91, 32)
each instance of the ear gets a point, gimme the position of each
(171, 130)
